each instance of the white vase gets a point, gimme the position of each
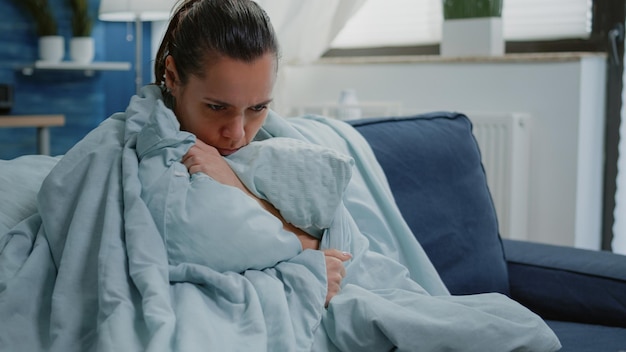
(472, 37)
(51, 48)
(349, 108)
(82, 49)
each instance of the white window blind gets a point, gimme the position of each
(418, 22)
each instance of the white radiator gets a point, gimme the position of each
(504, 141)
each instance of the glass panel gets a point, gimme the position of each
(418, 22)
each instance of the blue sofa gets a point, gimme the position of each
(433, 166)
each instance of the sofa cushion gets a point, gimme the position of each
(588, 337)
(565, 283)
(433, 166)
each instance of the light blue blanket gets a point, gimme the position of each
(128, 252)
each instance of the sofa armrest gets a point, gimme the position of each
(568, 284)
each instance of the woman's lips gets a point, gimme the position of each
(226, 152)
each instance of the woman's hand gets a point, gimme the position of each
(335, 271)
(206, 159)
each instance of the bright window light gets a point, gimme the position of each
(418, 22)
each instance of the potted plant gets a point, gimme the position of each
(82, 44)
(51, 45)
(472, 28)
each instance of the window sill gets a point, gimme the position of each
(508, 58)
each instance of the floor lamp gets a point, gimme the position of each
(136, 11)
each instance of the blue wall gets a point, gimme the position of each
(85, 101)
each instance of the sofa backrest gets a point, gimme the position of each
(20, 180)
(433, 166)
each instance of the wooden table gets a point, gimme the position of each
(41, 122)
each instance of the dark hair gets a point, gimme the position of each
(204, 30)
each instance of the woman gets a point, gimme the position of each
(134, 221)
(218, 80)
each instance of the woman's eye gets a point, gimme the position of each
(259, 108)
(215, 107)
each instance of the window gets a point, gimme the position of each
(418, 22)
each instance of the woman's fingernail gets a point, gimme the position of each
(346, 254)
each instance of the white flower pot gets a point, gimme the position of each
(472, 37)
(82, 49)
(51, 48)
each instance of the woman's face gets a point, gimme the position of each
(226, 107)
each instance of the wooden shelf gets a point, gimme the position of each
(32, 120)
(88, 68)
(41, 122)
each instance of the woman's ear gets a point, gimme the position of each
(171, 75)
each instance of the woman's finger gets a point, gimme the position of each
(343, 256)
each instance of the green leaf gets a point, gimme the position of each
(40, 11)
(455, 9)
(82, 20)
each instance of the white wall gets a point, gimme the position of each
(563, 93)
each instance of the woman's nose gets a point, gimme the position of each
(234, 129)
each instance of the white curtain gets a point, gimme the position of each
(305, 28)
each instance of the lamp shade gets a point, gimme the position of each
(131, 10)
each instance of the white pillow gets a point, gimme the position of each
(304, 181)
